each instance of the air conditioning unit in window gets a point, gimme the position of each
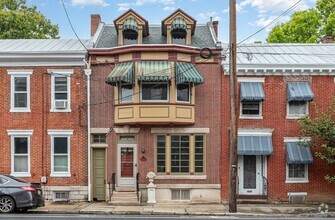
(61, 104)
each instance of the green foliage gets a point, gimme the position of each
(17, 21)
(307, 26)
(321, 129)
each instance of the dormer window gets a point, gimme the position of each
(130, 31)
(178, 31)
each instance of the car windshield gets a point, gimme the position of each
(17, 179)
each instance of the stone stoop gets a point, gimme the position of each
(120, 198)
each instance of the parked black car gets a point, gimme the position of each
(20, 195)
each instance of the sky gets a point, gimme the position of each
(252, 15)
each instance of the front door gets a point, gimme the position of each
(127, 166)
(99, 174)
(250, 175)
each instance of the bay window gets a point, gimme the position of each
(154, 91)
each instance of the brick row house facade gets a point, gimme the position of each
(277, 85)
(160, 108)
(43, 129)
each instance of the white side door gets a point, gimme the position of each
(250, 175)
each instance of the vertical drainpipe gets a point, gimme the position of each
(88, 72)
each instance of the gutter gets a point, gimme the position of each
(88, 73)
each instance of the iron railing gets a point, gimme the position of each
(265, 186)
(137, 186)
(111, 185)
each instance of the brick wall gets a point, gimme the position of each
(274, 117)
(40, 119)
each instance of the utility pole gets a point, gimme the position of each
(233, 107)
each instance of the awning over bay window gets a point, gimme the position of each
(254, 145)
(122, 72)
(299, 91)
(130, 24)
(154, 70)
(187, 73)
(296, 154)
(252, 91)
(178, 23)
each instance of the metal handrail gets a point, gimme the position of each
(111, 185)
(265, 185)
(137, 186)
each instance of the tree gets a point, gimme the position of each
(307, 26)
(17, 21)
(321, 129)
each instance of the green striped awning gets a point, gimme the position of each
(154, 71)
(178, 23)
(187, 73)
(130, 24)
(122, 72)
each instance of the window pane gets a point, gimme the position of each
(180, 148)
(199, 154)
(61, 163)
(183, 93)
(20, 84)
(60, 96)
(61, 84)
(181, 41)
(126, 93)
(99, 138)
(20, 163)
(21, 145)
(161, 153)
(60, 145)
(129, 41)
(20, 100)
(152, 91)
(296, 171)
(297, 108)
(250, 108)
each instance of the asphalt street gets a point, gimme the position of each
(127, 217)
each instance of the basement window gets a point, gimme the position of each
(61, 196)
(180, 194)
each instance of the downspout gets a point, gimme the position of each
(88, 72)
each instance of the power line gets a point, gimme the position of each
(68, 18)
(277, 18)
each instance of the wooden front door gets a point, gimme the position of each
(99, 191)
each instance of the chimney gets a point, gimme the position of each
(95, 21)
(327, 39)
(215, 27)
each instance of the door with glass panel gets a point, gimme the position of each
(127, 165)
(249, 175)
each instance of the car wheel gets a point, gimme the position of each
(7, 204)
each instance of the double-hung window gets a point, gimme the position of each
(252, 96)
(251, 108)
(183, 92)
(297, 108)
(20, 90)
(60, 152)
(154, 91)
(60, 90)
(180, 154)
(126, 92)
(20, 156)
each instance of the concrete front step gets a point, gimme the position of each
(124, 199)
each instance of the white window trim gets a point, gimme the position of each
(160, 82)
(251, 79)
(18, 134)
(19, 73)
(296, 116)
(297, 139)
(297, 180)
(60, 133)
(259, 116)
(189, 94)
(60, 73)
(256, 132)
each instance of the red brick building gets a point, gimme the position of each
(43, 129)
(277, 83)
(160, 109)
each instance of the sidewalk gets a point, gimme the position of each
(186, 209)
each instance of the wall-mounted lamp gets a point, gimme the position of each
(143, 150)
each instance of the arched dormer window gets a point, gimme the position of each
(178, 31)
(130, 31)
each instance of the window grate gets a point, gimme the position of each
(181, 194)
(62, 196)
